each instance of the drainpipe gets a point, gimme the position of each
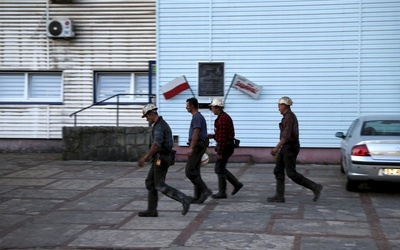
(359, 57)
(47, 39)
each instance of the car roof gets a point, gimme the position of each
(379, 117)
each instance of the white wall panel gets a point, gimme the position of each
(336, 59)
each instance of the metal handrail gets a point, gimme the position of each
(101, 102)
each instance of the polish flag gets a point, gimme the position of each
(175, 87)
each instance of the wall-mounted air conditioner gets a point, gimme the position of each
(60, 29)
(61, 1)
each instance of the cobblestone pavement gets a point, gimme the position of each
(47, 203)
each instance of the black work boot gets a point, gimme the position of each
(317, 191)
(148, 213)
(234, 181)
(177, 195)
(222, 188)
(205, 191)
(152, 205)
(314, 187)
(204, 196)
(186, 204)
(280, 192)
(197, 194)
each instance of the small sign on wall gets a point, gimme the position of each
(211, 78)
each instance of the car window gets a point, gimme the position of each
(351, 128)
(381, 128)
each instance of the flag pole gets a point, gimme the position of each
(189, 86)
(230, 86)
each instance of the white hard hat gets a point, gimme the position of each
(216, 102)
(147, 108)
(204, 160)
(285, 100)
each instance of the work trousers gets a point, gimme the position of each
(286, 161)
(220, 164)
(155, 181)
(192, 169)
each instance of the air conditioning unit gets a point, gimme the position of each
(61, 1)
(60, 29)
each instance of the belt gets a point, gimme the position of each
(292, 142)
(198, 139)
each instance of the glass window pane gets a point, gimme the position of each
(141, 84)
(12, 86)
(45, 86)
(141, 87)
(109, 84)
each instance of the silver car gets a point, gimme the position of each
(370, 150)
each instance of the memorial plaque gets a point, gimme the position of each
(211, 78)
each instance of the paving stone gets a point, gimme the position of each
(97, 203)
(341, 211)
(27, 206)
(8, 220)
(391, 228)
(337, 243)
(75, 184)
(35, 173)
(236, 221)
(127, 183)
(128, 192)
(94, 173)
(165, 221)
(315, 227)
(125, 238)
(41, 193)
(84, 217)
(37, 236)
(240, 241)
(25, 182)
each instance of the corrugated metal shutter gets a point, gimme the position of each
(110, 35)
(330, 57)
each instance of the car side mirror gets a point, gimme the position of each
(340, 135)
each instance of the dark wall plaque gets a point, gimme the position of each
(211, 78)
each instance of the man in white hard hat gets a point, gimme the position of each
(224, 134)
(161, 155)
(287, 149)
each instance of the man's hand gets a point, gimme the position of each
(219, 157)
(274, 151)
(140, 163)
(190, 151)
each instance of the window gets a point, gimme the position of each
(381, 128)
(31, 87)
(351, 128)
(135, 85)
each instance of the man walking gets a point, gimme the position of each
(161, 155)
(224, 136)
(287, 149)
(198, 142)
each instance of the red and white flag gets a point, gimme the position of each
(175, 87)
(246, 86)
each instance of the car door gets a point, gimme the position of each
(347, 144)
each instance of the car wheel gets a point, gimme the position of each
(352, 185)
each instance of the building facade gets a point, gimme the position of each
(59, 56)
(336, 60)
